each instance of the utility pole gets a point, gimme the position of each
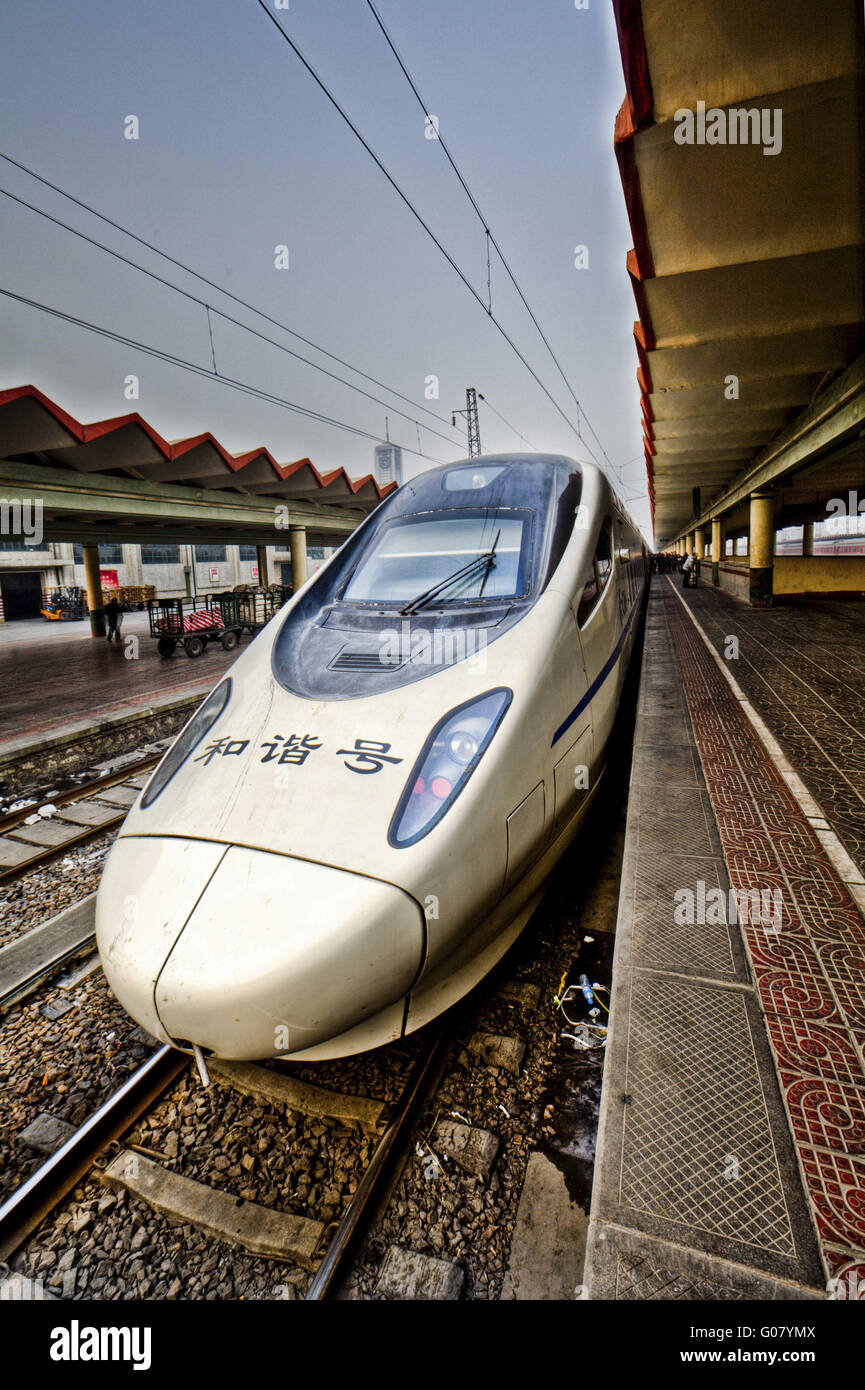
(472, 422)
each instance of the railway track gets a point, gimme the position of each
(39, 1194)
(83, 812)
(322, 1249)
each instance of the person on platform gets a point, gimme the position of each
(686, 571)
(113, 613)
(695, 569)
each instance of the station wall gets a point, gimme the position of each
(798, 576)
(29, 571)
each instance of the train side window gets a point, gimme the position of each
(602, 566)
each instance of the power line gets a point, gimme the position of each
(486, 400)
(118, 226)
(245, 387)
(490, 237)
(209, 308)
(413, 210)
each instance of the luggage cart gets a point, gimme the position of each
(192, 623)
(249, 608)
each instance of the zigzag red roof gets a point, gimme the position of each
(30, 423)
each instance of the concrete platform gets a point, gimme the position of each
(802, 666)
(26, 960)
(57, 679)
(731, 1155)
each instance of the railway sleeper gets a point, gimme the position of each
(276, 1235)
(276, 1088)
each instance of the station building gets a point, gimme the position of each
(174, 570)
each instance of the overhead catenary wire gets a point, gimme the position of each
(322, 85)
(210, 308)
(187, 269)
(213, 284)
(511, 427)
(161, 355)
(490, 237)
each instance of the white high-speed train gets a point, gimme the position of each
(358, 821)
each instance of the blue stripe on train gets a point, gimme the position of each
(599, 679)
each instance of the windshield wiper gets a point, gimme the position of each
(481, 563)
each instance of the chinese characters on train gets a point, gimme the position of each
(367, 756)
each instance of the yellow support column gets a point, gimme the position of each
(761, 549)
(700, 547)
(718, 548)
(93, 584)
(297, 546)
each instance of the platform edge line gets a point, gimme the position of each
(811, 809)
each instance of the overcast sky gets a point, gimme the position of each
(239, 153)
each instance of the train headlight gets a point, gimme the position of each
(447, 761)
(187, 740)
(462, 746)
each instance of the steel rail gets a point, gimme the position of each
(39, 1194)
(45, 855)
(85, 790)
(22, 989)
(369, 1187)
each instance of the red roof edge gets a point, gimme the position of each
(644, 371)
(15, 393)
(99, 428)
(635, 62)
(642, 251)
(641, 301)
(634, 115)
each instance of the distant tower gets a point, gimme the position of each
(388, 464)
(474, 429)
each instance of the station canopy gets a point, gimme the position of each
(747, 260)
(119, 480)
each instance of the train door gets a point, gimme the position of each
(599, 621)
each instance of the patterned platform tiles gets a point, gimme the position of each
(803, 668)
(808, 962)
(697, 1193)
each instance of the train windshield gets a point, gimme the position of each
(411, 556)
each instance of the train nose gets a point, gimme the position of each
(276, 954)
(149, 887)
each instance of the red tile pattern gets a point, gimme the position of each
(847, 1275)
(808, 960)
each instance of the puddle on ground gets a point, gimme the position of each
(570, 1105)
